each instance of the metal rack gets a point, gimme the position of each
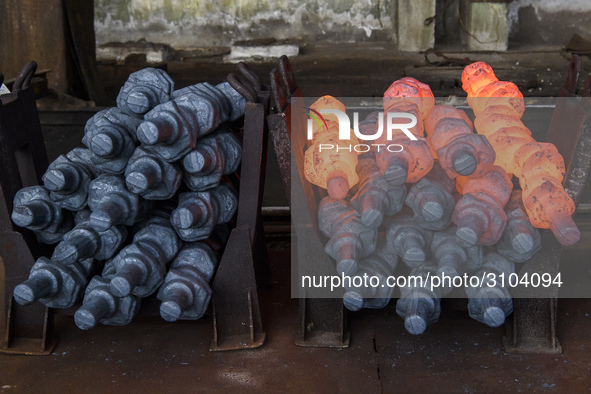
(236, 315)
(27, 330)
(532, 327)
(322, 320)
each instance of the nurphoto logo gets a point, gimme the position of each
(345, 130)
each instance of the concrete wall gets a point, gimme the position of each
(204, 23)
(548, 22)
(186, 24)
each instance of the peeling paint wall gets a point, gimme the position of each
(210, 23)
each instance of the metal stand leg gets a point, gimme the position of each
(27, 330)
(533, 328)
(237, 317)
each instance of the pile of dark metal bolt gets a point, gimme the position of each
(381, 223)
(146, 205)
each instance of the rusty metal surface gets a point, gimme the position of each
(236, 313)
(534, 321)
(322, 321)
(46, 42)
(237, 320)
(570, 131)
(279, 129)
(253, 167)
(79, 18)
(24, 161)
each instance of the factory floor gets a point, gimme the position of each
(457, 354)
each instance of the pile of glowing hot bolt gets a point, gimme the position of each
(124, 223)
(445, 204)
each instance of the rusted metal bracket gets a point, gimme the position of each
(26, 330)
(283, 87)
(322, 321)
(533, 325)
(255, 143)
(236, 313)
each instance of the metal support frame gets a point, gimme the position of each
(27, 330)
(533, 325)
(322, 321)
(236, 314)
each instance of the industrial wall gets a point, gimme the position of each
(211, 23)
(198, 23)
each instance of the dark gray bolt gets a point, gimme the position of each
(236, 100)
(54, 284)
(418, 304)
(34, 288)
(92, 312)
(372, 199)
(151, 177)
(406, 239)
(416, 315)
(61, 179)
(349, 239)
(34, 209)
(68, 178)
(84, 241)
(520, 240)
(100, 305)
(432, 208)
(128, 278)
(215, 155)
(140, 267)
(185, 293)
(171, 129)
(137, 270)
(158, 233)
(397, 170)
(520, 236)
(452, 258)
(471, 225)
(203, 159)
(479, 213)
(35, 214)
(111, 137)
(431, 200)
(491, 304)
(380, 264)
(353, 300)
(105, 144)
(212, 93)
(159, 129)
(143, 90)
(175, 301)
(112, 204)
(464, 162)
(199, 212)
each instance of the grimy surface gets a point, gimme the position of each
(455, 354)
